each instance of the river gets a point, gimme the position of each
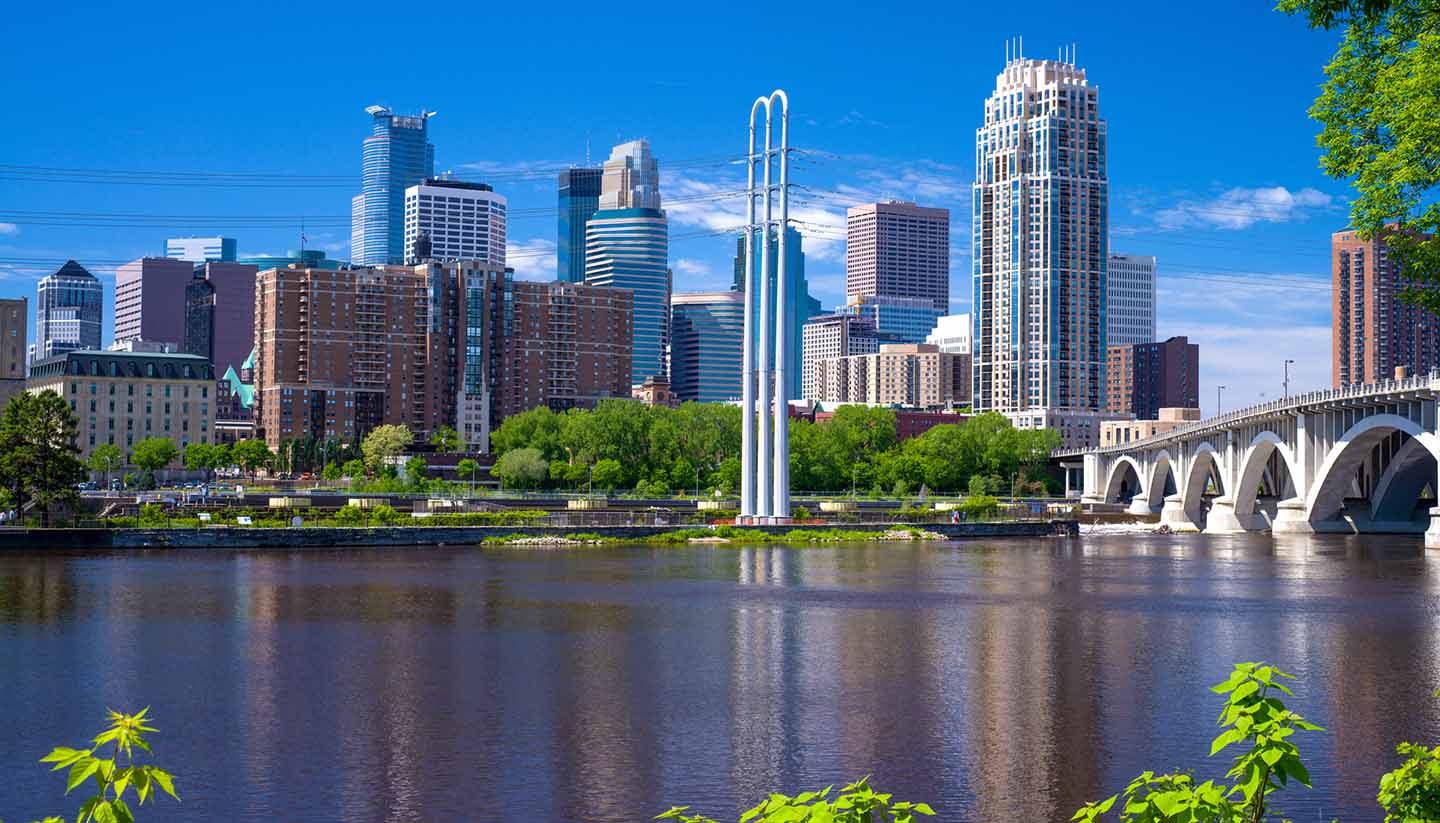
(999, 680)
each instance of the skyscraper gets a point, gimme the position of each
(896, 249)
(150, 300)
(579, 200)
(627, 245)
(67, 311)
(200, 249)
(1373, 331)
(799, 305)
(1040, 247)
(1130, 300)
(706, 337)
(458, 221)
(396, 156)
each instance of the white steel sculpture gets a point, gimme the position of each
(765, 454)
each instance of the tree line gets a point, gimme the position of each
(623, 445)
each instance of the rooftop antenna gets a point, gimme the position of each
(1022, 47)
(302, 241)
(1007, 51)
(1074, 49)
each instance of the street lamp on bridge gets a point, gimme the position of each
(1287, 378)
(1218, 389)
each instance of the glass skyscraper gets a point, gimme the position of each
(396, 156)
(67, 313)
(579, 200)
(799, 305)
(627, 246)
(707, 332)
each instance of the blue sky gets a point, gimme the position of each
(1212, 157)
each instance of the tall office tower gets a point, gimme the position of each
(219, 320)
(579, 200)
(1040, 247)
(460, 221)
(833, 335)
(952, 335)
(707, 334)
(627, 246)
(68, 307)
(14, 317)
(527, 344)
(201, 249)
(339, 352)
(1147, 377)
(396, 156)
(1130, 300)
(799, 305)
(1372, 331)
(150, 299)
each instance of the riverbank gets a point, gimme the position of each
(383, 536)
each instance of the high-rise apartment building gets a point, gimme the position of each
(454, 220)
(201, 249)
(897, 249)
(1129, 300)
(952, 335)
(14, 318)
(150, 299)
(1040, 248)
(219, 322)
(579, 200)
(396, 156)
(68, 309)
(914, 375)
(833, 335)
(627, 246)
(1143, 379)
(707, 335)
(1372, 330)
(799, 305)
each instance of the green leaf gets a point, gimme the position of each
(1224, 739)
(80, 772)
(104, 812)
(165, 780)
(1271, 756)
(122, 812)
(924, 808)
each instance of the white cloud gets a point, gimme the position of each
(1241, 208)
(533, 259)
(693, 267)
(9, 228)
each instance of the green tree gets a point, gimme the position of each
(607, 475)
(1379, 112)
(153, 454)
(251, 455)
(522, 468)
(116, 775)
(385, 442)
(467, 469)
(38, 455)
(104, 459)
(199, 457)
(353, 469)
(331, 472)
(1411, 793)
(417, 471)
(445, 439)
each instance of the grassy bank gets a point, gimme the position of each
(721, 534)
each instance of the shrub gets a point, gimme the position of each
(113, 777)
(385, 515)
(856, 803)
(979, 505)
(1411, 793)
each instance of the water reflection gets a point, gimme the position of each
(999, 680)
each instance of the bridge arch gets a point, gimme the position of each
(1123, 467)
(1399, 487)
(1162, 474)
(1254, 470)
(1205, 461)
(1352, 449)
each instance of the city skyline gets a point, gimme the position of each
(1226, 215)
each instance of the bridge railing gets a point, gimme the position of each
(1291, 403)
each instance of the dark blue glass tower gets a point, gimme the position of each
(397, 155)
(800, 306)
(579, 200)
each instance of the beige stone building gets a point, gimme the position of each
(122, 397)
(14, 313)
(1118, 432)
(917, 375)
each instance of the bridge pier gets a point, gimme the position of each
(1139, 506)
(1173, 515)
(1432, 534)
(1290, 518)
(1222, 519)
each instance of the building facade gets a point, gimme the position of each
(1144, 378)
(14, 320)
(578, 202)
(1040, 247)
(1372, 330)
(1120, 432)
(454, 220)
(1129, 300)
(829, 336)
(901, 250)
(121, 398)
(201, 249)
(68, 309)
(799, 305)
(913, 375)
(305, 259)
(150, 299)
(707, 335)
(952, 335)
(396, 156)
(219, 322)
(1120, 379)
(906, 319)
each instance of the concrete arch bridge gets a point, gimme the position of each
(1358, 459)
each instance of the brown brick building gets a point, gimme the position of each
(1372, 330)
(1144, 378)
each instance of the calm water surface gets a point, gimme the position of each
(1001, 680)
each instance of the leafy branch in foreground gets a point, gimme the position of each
(1252, 714)
(113, 778)
(856, 803)
(1411, 793)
